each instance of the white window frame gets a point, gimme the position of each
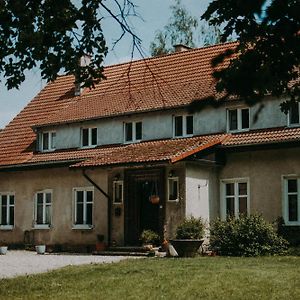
(84, 190)
(239, 119)
(118, 183)
(90, 129)
(7, 226)
(184, 125)
(134, 139)
(176, 179)
(51, 147)
(289, 118)
(45, 204)
(285, 202)
(236, 181)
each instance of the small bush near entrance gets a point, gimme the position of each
(246, 236)
(190, 228)
(149, 237)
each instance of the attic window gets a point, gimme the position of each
(48, 140)
(183, 126)
(238, 119)
(88, 137)
(133, 132)
(294, 118)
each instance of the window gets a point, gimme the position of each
(235, 200)
(118, 192)
(133, 131)
(88, 137)
(294, 118)
(83, 214)
(7, 211)
(292, 201)
(48, 140)
(238, 119)
(173, 191)
(183, 125)
(42, 209)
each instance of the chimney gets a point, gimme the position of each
(84, 61)
(181, 48)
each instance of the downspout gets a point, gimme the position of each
(108, 204)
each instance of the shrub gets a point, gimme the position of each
(246, 236)
(190, 228)
(149, 237)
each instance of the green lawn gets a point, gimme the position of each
(153, 278)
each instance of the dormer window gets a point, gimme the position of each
(49, 141)
(238, 119)
(183, 125)
(294, 118)
(133, 132)
(89, 137)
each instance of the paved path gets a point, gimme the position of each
(16, 263)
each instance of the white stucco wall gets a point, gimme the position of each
(159, 125)
(198, 192)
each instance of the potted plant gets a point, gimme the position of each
(100, 245)
(189, 237)
(149, 239)
(3, 248)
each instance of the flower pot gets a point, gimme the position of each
(3, 250)
(154, 199)
(40, 249)
(100, 246)
(186, 248)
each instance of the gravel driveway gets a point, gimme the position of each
(16, 263)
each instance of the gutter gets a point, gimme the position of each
(108, 204)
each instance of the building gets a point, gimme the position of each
(130, 155)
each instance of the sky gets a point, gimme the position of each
(155, 14)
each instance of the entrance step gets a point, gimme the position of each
(124, 251)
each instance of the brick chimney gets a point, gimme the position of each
(181, 48)
(84, 61)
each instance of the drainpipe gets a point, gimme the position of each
(108, 204)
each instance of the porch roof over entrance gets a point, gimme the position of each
(171, 150)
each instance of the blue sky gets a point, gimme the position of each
(155, 15)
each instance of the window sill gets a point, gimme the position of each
(292, 224)
(182, 136)
(88, 147)
(293, 125)
(47, 151)
(6, 227)
(83, 227)
(238, 130)
(46, 226)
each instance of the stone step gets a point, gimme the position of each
(122, 253)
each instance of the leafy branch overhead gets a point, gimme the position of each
(53, 35)
(266, 58)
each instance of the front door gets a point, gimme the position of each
(143, 188)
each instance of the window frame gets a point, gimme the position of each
(121, 183)
(289, 118)
(90, 137)
(239, 119)
(84, 190)
(184, 125)
(236, 196)
(7, 226)
(176, 179)
(51, 147)
(134, 131)
(285, 202)
(44, 225)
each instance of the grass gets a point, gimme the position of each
(203, 277)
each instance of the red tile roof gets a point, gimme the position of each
(170, 150)
(164, 82)
(264, 136)
(150, 84)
